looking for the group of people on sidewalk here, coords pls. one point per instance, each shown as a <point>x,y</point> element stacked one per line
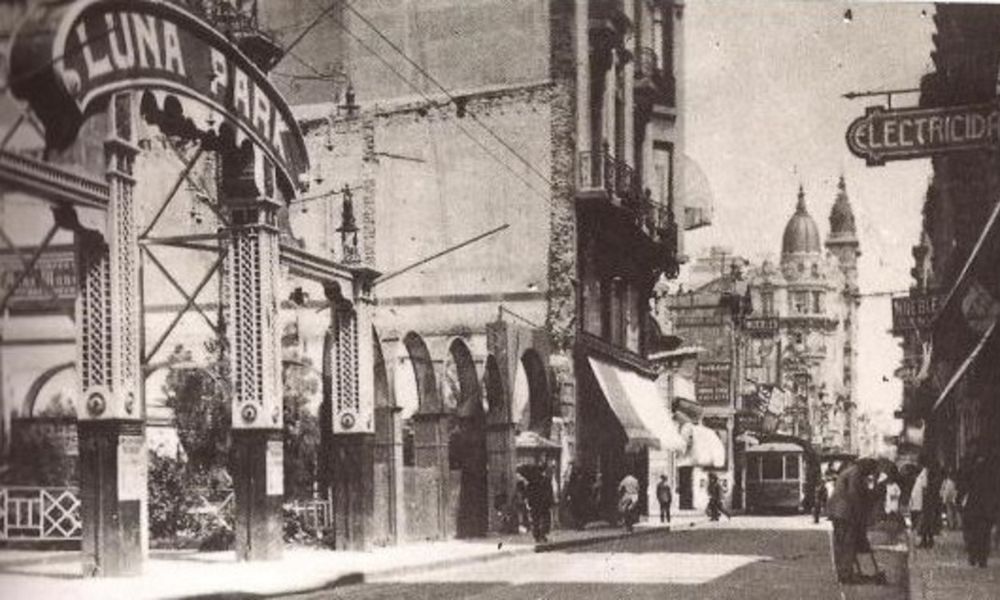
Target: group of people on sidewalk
<point>863,493</point>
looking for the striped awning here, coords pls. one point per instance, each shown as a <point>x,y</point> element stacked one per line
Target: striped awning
<point>637,403</point>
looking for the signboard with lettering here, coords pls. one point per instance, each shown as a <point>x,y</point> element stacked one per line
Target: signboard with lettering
<point>883,135</point>
<point>914,312</point>
<point>761,325</point>
<point>69,57</point>
<point>712,384</point>
<point>51,284</point>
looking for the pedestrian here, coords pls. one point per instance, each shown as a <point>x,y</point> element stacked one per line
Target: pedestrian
<point>597,508</point>
<point>540,502</point>
<point>892,495</point>
<point>930,515</point>
<point>978,490</point>
<point>847,509</point>
<point>665,496</point>
<point>522,514</point>
<point>917,499</point>
<point>949,499</point>
<point>575,496</point>
<point>628,500</point>
<point>819,500</point>
<point>715,506</point>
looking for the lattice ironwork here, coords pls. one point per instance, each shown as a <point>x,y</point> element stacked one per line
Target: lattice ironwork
<point>251,288</point>
<point>94,312</point>
<point>40,514</point>
<point>123,227</point>
<point>350,414</point>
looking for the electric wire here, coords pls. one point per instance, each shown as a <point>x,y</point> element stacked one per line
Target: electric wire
<point>446,92</point>
<point>392,68</point>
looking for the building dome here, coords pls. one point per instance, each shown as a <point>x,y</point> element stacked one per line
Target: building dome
<point>841,216</point>
<point>801,234</point>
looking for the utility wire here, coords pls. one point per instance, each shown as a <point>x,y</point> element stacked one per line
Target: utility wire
<point>432,102</point>
<point>447,93</point>
<point>310,27</point>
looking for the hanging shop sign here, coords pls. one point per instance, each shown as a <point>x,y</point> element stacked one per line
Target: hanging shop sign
<point>914,312</point>
<point>883,135</point>
<point>712,384</point>
<point>69,57</point>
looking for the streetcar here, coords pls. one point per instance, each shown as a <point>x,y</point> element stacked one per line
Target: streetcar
<point>775,476</point>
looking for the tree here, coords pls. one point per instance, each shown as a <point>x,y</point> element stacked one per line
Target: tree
<point>200,399</point>
<point>301,426</point>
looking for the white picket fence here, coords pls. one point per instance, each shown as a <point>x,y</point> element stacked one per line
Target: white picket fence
<point>40,514</point>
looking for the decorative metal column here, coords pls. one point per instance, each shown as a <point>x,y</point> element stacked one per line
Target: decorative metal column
<point>110,426</point>
<point>251,298</point>
<point>348,388</point>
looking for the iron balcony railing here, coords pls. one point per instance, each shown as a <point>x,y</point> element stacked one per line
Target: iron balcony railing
<point>601,171</point>
<point>648,67</point>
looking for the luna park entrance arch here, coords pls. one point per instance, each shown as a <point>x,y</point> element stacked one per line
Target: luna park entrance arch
<point>70,61</point>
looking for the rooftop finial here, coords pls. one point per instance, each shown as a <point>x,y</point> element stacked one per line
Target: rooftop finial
<point>800,207</point>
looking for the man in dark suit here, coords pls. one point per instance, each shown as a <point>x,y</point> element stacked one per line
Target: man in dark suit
<point>847,508</point>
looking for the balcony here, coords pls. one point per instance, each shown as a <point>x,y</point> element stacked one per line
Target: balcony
<point>609,25</point>
<point>613,182</point>
<point>653,85</point>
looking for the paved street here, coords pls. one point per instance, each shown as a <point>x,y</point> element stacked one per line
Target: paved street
<point>750,557</point>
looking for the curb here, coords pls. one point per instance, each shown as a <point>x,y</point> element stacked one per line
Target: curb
<point>359,577</point>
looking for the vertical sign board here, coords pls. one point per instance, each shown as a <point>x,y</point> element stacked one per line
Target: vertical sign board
<point>712,384</point>
<point>275,468</point>
<point>131,468</point>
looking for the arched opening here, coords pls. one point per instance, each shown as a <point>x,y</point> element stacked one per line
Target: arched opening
<point>387,445</point>
<point>56,389</point>
<point>466,441</point>
<point>425,442</point>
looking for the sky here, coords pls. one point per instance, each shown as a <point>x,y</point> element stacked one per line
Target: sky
<point>765,113</point>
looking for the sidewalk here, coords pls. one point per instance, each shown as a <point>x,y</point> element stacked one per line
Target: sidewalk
<point>944,572</point>
<point>185,574</point>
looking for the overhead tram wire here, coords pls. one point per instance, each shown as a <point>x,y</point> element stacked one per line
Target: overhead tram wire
<point>432,102</point>
<point>446,92</point>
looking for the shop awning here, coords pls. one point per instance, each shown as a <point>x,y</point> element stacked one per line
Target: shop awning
<point>705,448</point>
<point>960,372</point>
<point>637,403</point>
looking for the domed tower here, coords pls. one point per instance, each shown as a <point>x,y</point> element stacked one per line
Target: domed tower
<point>801,235</point>
<point>801,249</point>
<point>843,241</point>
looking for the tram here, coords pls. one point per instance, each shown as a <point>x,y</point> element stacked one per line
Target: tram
<point>775,476</point>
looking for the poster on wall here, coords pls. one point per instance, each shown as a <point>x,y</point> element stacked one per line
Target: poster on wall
<point>131,468</point>
<point>275,468</point>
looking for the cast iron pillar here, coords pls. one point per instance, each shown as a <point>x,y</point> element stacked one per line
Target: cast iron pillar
<point>348,387</point>
<point>251,299</point>
<point>110,426</point>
